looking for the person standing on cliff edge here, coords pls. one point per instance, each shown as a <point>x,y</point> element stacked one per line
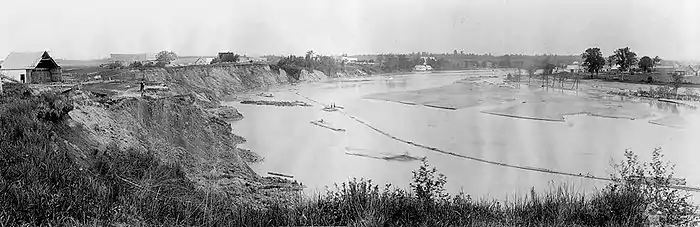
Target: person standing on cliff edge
<point>142,87</point>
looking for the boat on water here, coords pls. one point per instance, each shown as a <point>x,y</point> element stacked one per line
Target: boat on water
<point>332,107</point>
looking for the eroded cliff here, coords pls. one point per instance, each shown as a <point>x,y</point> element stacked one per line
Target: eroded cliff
<point>181,127</point>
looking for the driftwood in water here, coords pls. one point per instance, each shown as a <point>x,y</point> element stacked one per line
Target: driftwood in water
<point>321,124</point>
<point>280,175</point>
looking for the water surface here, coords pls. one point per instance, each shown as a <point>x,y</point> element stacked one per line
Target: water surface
<point>581,144</point>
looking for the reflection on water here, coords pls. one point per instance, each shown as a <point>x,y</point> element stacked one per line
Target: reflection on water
<point>318,157</point>
<point>392,83</point>
<point>665,106</point>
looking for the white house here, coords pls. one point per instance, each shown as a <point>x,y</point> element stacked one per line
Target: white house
<point>30,67</point>
<point>185,61</point>
<point>349,60</point>
<point>573,68</point>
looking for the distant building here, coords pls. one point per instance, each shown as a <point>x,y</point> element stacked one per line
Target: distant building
<point>665,69</point>
<point>203,61</point>
<point>574,68</point>
<point>422,68</point>
<point>31,67</point>
<point>691,70</point>
<point>685,71</point>
<point>127,59</point>
<point>349,60</point>
<point>345,59</point>
<point>185,61</point>
<point>246,59</point>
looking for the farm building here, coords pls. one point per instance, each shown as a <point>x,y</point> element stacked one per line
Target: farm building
<point>185,61</point>
<point>574,68</point>
<point>127,59</point>
<point>31,67</point>
<point>665,69</point>
<point>691,70</point>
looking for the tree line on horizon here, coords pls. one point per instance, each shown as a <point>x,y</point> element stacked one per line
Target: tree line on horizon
<point>623,58</point>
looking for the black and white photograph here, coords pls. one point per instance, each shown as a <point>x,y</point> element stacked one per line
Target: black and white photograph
<point>349,113</point>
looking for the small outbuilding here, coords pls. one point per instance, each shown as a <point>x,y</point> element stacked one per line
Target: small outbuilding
<point>31,67</point>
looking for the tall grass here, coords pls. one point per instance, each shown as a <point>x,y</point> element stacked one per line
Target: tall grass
<point>42,183</point>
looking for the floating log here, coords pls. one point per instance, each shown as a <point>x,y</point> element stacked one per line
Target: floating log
<point>330,109</point>
<point>317,123</point>
<point>280,175</point>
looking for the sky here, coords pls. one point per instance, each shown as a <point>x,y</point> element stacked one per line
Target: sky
<point>89,29</point>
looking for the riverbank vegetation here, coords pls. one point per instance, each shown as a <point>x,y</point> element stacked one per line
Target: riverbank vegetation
<point>43,181</point>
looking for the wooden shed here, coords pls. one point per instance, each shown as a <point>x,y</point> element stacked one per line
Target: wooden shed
<point>31,67</point>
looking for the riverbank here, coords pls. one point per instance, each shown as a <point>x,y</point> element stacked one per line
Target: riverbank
<point>165,159</point>
<point>175,138</point>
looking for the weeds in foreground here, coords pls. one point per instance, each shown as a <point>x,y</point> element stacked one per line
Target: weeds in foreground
<point>40,183</point>
<point>652,181</point>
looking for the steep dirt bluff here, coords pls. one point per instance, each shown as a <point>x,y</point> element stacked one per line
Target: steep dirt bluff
<point>212,82</point>
<point>182,125</point>
<point>175,130</point>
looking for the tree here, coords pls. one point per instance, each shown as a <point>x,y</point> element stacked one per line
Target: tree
<point>434,63</point>
<point>549,68</point>
<point>309,55</point>
<point>593,60</point>
<point>165,57</point>
<point>612,61</point>
<point>625,58</point>
<point>676,82</point>
<point>428,184</point>
<point>646,64</point>
<point>657,60</point>
<point>531,70</point>
<point>228,57</point>
<point>136,64</point>
<point>403,62</point>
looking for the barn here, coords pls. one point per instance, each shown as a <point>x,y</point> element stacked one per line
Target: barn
<point>31,67</point>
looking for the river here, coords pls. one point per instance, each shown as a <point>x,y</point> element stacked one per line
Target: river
<point>318,157</point>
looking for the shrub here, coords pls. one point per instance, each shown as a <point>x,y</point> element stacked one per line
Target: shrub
<point>54,107</point>
<point>164,58</point>
<point>427,184</point>
<point>112,65</point>
<point>676,81</point>
<point>136,64</point>
<point>228,57</point>
<point>690,93</point>
<point>652,182</point>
